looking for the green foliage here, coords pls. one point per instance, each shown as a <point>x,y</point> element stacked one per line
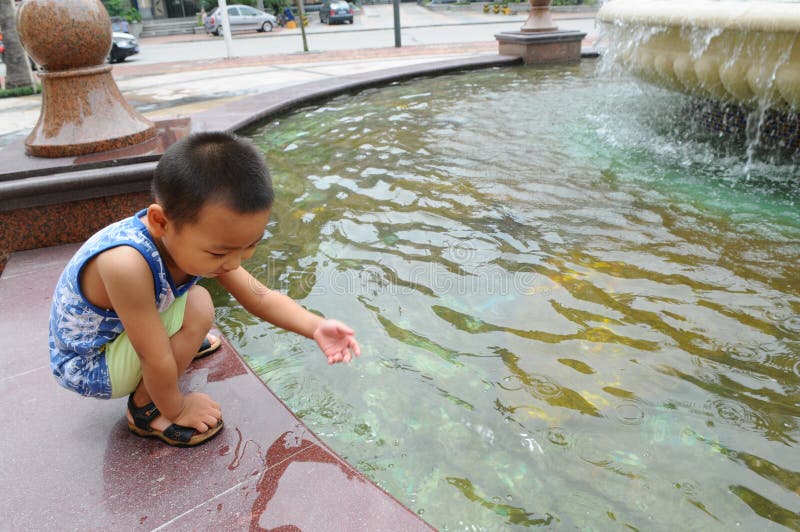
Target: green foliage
<point>114,7</point>
<point>122,8</point>
<point>132,15</point>
<point>275,6</point>
<point>20,91</point>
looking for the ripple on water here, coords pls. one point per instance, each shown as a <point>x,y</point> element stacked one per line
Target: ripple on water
<point>780,312</point>
<point>790,325</point>
<point>545,387</point>
<point>750,353</point>
<point>736,413</point>
<point>592,447</point>
<point>560,437</point>
<point>629,413</point>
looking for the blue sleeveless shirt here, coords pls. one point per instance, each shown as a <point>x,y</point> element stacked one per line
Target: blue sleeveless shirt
<point>79,331</point>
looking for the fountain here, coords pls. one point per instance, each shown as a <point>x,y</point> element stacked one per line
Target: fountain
<point>741,56</point>
<point>609,310</point>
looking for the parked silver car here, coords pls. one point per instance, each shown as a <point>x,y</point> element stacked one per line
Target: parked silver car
<point>241,18</point>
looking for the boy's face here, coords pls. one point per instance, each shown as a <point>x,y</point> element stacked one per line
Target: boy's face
<point>215,243</point>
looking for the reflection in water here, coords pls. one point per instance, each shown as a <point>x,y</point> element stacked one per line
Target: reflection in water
<point>574,309</point>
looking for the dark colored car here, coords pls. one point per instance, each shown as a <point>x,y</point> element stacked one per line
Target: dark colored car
<point>123,45</point>
<point>333,11</point>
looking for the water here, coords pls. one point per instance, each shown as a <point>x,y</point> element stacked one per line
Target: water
<point>575,311</point>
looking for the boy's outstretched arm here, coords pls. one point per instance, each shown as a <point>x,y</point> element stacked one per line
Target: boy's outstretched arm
<point>128,282</point>
<point>335,339</point>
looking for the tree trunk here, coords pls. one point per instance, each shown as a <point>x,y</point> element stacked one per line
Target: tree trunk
<point>260,4</point>
<point>18,70</point>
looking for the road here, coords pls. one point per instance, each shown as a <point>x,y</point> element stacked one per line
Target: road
<point>372,30</point>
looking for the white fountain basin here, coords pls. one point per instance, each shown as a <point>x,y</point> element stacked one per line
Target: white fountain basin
<point>743,52</point>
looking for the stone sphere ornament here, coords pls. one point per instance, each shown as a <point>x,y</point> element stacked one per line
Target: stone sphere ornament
<point>83,32</point>
<point>83,110</point>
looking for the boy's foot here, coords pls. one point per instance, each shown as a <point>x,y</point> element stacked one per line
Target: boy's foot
<point>147,421</point>
<point>210,344</point>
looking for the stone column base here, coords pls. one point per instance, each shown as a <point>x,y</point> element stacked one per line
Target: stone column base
<point>83,112</point>
<point>542,48</point>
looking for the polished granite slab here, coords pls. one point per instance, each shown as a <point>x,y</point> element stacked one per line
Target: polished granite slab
<point>69,463</point>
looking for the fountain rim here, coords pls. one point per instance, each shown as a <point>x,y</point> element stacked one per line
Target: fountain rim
<point>772,17</point>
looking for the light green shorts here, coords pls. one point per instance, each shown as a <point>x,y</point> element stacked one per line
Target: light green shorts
<point>124,367</point>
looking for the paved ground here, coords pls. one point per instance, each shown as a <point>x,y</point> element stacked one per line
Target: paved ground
<point>170,87</point>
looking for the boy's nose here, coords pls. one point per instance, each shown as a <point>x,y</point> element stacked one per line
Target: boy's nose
<point>232,262</point>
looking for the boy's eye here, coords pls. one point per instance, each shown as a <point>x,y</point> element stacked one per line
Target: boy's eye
<point>219,255</point>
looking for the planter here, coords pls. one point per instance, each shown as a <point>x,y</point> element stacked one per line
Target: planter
<point>135,29</point>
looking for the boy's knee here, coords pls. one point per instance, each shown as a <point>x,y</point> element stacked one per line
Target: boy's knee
<point>199,307</point>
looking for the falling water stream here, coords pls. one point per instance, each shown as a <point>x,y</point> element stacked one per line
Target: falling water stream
<point>576,310</point>
<point>728,59</point>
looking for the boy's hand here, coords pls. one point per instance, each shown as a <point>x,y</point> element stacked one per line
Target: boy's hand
<point>337,341</point>
<point>199,412</point>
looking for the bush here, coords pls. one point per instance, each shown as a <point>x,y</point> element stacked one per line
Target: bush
<point>132,15</point>
<point>116,8</point>
<point>20,91</point>
<point>275,6</point>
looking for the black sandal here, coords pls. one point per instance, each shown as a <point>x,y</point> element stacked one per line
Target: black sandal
<point>208,347</point>
<point>176,435</point>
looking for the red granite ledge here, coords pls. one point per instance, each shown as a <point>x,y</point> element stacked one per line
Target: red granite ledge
<point>19,165</point>
<point>63,223</point>
<point>70,462</point>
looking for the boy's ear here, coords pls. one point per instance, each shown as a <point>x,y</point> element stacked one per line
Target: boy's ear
<point>157,220</point>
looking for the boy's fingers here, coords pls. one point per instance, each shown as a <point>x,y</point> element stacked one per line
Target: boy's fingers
<point>344,329</point>
<point>353,345</point>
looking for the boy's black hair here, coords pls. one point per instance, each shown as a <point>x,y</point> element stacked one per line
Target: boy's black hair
<point>212,166</point>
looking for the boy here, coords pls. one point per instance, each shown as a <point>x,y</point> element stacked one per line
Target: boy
<point>127,317</point>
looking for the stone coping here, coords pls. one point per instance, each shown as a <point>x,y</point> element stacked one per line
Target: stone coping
<point>540,38</point>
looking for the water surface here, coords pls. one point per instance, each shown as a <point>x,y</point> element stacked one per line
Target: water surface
<point>575,311</point>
